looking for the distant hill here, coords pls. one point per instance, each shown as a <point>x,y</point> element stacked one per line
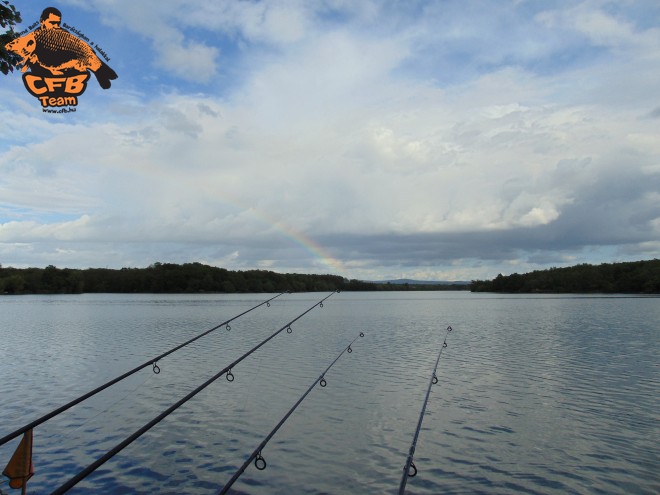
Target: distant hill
<point>404,284</point>
<point>403,281</point>
<point>636,277</point>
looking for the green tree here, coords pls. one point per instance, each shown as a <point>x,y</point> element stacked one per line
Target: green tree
<point>12,285</point>
<point>9,17</point>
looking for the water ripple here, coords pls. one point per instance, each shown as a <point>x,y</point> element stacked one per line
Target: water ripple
<point>536,394</point>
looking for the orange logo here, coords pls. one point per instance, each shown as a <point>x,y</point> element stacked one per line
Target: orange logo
<point>59,63</point>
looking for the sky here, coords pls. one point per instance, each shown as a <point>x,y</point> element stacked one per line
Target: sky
<point>372,139</point>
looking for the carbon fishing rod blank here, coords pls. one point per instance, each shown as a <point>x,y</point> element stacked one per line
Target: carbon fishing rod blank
<point>137,434</point>
<point>259,461</point>
<point>407,473</point>
<point>152,362</point>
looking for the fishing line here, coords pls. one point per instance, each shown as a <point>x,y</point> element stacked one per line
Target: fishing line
<point>259,461</point>
<point>151,362</point>
<point>129,393</point>
<point>129,440</point>
<point>409,461</point>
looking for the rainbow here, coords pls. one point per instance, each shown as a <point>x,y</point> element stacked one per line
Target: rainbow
<point>300,239</point>
<point>306,242</point>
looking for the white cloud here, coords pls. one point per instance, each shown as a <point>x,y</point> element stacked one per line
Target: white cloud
<point>188,60</point>
<point>333,132</point>
<point>600,27</point>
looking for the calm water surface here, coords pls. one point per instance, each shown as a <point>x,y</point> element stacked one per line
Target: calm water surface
<point>536,394</point>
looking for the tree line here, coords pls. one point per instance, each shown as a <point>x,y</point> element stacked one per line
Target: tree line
<point>9,17</point>
<point>185,278</point>
<point>636,277</point>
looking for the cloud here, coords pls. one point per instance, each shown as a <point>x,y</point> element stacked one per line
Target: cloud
<point>600,27</point>
<point>189,60</point>
<point>401,148</point>
<point>280,22</point>
<point>654,114</point>
<point>156,26</point>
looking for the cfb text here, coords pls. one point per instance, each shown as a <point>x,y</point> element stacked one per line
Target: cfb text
<point>54,89</point>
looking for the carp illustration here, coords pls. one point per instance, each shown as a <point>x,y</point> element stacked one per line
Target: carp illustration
<point>58,51</point>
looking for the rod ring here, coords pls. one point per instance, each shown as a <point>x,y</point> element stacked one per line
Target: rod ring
<point>288,330</point>
<point>260,462</point>
<point>228,327</point>
<point>156,368</point>
<point>414,472</point>
<point>323,383</point>
<point>229,376</point>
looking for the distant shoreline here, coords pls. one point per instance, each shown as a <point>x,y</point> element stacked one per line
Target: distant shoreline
<point>189,278</point>
<point>635,277</point>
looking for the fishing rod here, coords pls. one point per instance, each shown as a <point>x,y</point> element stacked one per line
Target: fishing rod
<point>409,461</point>
<point>151,362</point>
<point>129,440</point>
<point>259,461</point>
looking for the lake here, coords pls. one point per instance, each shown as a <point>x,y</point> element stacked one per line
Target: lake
<point>537,394</point>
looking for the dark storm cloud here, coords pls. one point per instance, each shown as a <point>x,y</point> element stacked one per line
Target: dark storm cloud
<point>617,209</point>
